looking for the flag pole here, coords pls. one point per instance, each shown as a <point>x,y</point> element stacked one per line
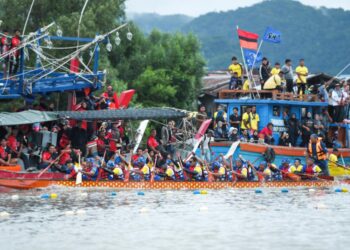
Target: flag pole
<point>244,62</point>
<point>256,55</point>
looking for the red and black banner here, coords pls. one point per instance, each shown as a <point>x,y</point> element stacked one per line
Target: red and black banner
<point>248,40</point>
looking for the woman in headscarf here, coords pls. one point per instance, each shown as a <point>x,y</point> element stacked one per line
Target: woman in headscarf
<point>294,129</point>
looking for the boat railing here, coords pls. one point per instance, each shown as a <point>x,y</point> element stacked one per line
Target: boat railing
<point>267,94</point>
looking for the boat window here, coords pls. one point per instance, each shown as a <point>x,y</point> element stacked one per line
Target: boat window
<point>276,110</point>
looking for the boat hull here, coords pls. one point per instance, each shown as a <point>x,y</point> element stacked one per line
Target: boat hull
<point>162,185</point>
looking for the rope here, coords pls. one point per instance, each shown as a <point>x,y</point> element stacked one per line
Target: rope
<point>30,11</point>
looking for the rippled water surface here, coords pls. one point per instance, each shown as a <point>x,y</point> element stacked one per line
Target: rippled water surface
<point>224,219</point>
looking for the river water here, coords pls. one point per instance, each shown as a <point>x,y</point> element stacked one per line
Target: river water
<point>223,219</point>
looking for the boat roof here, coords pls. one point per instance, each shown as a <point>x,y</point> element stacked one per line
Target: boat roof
<point>271,102</point>
<point>35,116</point>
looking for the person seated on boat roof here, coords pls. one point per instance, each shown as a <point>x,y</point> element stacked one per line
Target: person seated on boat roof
<point>274,82</point>
<point>297,167</point>
<point>90,169</point>
<point>5,154</point>
<point>48,157</point>
<point>312,168</point>
<point>235,68</point>
<point>266,134</point>
<point>246,84</point>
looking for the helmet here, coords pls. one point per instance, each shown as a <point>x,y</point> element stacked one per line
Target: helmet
<point>263,163</point>
<point>285,160</point>
<point>215,164</point>
<point>110,164</point>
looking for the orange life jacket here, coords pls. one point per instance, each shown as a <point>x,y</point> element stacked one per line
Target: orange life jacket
<point>319,150</point>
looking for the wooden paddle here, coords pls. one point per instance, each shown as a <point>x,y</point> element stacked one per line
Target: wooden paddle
<point>319,177</point>
<point>52,162</point>
<point>291,176</point>
<point>79,177</point>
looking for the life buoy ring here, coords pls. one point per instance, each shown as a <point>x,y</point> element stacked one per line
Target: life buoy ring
<point>269,155</point>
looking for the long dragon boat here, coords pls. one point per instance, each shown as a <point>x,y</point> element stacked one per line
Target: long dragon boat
<point>18,180</point>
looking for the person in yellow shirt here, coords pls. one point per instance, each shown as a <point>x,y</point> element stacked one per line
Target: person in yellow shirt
<point>302,72</point>
<point>274,82</point>
<point>246,119</point>
<point>236,71</point>
<point>297,167</point>
<point>254,120</point>
<point>276,70</point>
<point>246,84</point>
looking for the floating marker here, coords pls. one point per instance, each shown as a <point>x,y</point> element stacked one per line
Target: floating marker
<point>344,190</point>
<point>203,209</point>
<point>114,194</point>
<point>69,213</point>
<point>84,194</point>
<point>204,192</point>
<point>284,190</point>
<point>258,191</point>
<point>4,214</point>
<point>144,210</point>
<point>140,193</point>
<point>321,206</point>
<point>311,190</point>
<point>80,212</point>
<point>338,190</point>
<point>53,196</point>
<point>196,192</point>
<point>15,197</point>
<point>45,196</point>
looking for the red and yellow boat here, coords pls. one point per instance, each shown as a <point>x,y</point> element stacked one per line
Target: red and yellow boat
<point>19,180</point>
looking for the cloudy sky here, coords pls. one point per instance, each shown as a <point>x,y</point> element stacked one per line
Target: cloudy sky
<point>198,7</point>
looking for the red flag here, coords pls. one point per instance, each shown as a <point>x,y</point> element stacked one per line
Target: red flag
<point>248,40</point>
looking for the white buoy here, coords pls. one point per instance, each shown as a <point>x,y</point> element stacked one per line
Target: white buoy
<point>83,194</point>
<point>15,197</point>
<point>203,209</point>
<point>320,206</point>
<point>144,210</point>
<point>4,214</point>
<point>69,213</point>
<point>80,212</point>
<point>311,190</point>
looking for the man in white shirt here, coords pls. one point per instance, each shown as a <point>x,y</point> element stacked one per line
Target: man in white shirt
<point>337,95</point>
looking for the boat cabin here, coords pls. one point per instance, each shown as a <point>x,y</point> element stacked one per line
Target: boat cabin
<point>272,106</point>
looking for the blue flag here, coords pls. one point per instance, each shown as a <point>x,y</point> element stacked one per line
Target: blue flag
<point>271,35</point>
<point>249,56</point>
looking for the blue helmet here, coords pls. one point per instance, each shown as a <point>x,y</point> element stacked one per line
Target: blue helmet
<point>263,163</point>
<point>168,161</point>
<point>90,160</point>
<point>141,160</point>
<point>285,160</point>
<point>110,164</point>
<point>215,164</point>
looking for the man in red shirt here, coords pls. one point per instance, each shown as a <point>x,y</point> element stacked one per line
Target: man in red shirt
<point>15,43</point>
<point>5,153</point>
<point>48,156</point>
<point>266,134</point>
<point>152,142</point>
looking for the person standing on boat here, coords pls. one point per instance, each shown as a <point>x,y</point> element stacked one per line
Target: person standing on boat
<point>337,98</point>
<point>264,71</point>
<point>254,120</point>
<point>302,72</point>
<point>276,70</point>
<point>205,146</point>
<point>274,82</point>
<point>293,126</point>
<point>287,71</point>
<point>5,47</point>
<point>318,151</point>
<point>246,119</point>
<point>237,68</point>
<point>79,137</point>
<point>14,60</point>
<point>235,119</point>
<point>220,123</point>
<point>307,129</point>
<point>201,116</point>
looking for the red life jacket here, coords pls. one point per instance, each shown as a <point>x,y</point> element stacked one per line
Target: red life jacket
<point>4,44</point>
<point>64,158</point>
<point>115,98</point>
<point>12,142</point>
<point>47,156</point>
<point>3,153</point>
<point>15,42</point>
<point>310,169</point>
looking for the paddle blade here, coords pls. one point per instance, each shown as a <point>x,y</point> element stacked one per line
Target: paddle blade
<point>79,178</point>
<point>232,150</point>
<point>292,176</point>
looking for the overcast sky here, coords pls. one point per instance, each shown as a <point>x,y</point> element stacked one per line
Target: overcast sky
<point>198,7</point>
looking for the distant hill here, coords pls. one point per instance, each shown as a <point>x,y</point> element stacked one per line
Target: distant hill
<point>321,36</point>
<point>165,23</point>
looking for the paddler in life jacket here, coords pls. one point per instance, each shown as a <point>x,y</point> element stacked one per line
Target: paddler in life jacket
<point>90,169</point>
<point>193,168</point>
<point>275,171</point>
<point>266,172</point>
<point>218,171</point>
<point>297,167</point>
<point>317,150</point>
<point>311,168</point>
<point>241,171</point>
<point>117,171</point>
